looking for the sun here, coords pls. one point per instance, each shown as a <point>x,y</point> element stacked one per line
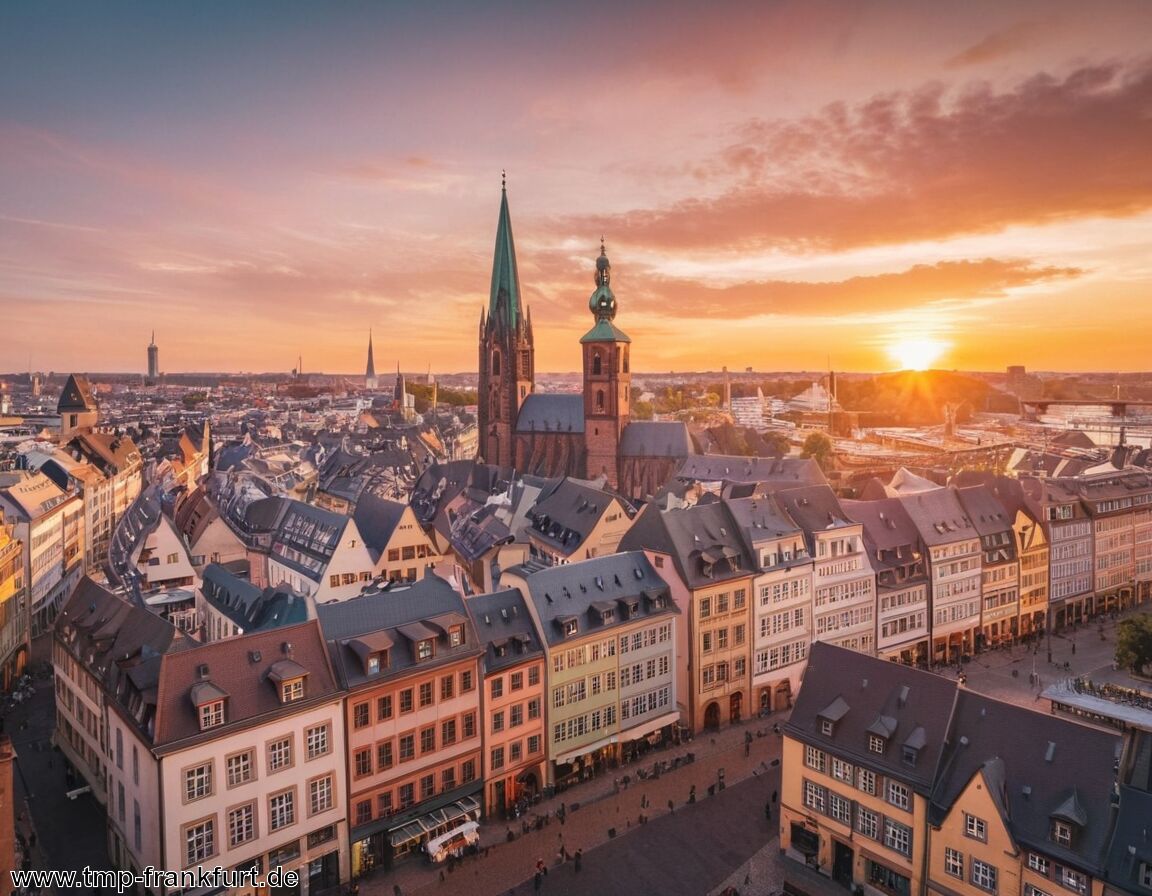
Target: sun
<point>917,352</point>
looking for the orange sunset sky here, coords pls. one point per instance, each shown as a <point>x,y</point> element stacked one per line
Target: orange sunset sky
<point>780,184</point>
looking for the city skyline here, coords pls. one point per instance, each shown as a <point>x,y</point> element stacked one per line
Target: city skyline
<point>802,184</point>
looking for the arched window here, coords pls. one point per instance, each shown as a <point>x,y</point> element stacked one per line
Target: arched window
<point>496,363</point>
<point>599,399</point>
<point>597,364</point>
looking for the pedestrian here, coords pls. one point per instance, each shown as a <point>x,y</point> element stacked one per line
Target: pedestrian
<point>578,859</point>
<point>692,794</point>
<point>541,868</point>
<point>671,806</point>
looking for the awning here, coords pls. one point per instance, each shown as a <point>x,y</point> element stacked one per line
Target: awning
<point>565,758</point>
<point>650,726</point>
<point>465,807</point>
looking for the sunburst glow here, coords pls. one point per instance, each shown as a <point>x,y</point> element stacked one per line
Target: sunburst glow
<point>917,353</point>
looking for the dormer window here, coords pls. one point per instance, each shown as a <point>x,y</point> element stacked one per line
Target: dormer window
<point>291,691</point>
<point>827,726</point>
<point>909,755</point>
<point>608,616</point>
<point>571,627</point>
<point>455,635</point>
<point>1062,833</point>
<point>376,662</point>
<point>212,715</point>
<point>288,676</point>
<point>425,649</point>
<point>875,743</point>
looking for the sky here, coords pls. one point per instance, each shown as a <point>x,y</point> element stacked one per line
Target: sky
<point>780,185</point>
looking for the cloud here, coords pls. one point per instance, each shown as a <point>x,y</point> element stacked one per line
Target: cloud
<point>923,165</point>
<point>914,288</point>
<point>998,44</point>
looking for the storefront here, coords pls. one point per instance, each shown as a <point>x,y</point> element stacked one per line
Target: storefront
<point>388,840</point>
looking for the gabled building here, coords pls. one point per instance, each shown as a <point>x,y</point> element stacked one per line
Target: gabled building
<point>1013,814</point>
<point>781,600</point>
<point>999,564</point>
<point>843,581</point>
<point>861,755</point>
<point>574,520</point>
<point>409,660</point>
<point>401,550</point>
<point>204,532</point>
<point>608,628</point>
<point>77,406</point>
<point>953,550</point>
<point>319,553</point>
<point>1068,529</point>
<point>898,556</point>
<point>228,605</point>
<point>700,553</point>
<point>512,700</point>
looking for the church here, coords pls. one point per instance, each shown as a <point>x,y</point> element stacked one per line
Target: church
<point>587,435</point>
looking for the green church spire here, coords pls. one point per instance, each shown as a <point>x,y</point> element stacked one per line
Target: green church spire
<point>504,300</point>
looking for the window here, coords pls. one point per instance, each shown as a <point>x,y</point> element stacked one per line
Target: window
<point>953,862</point>
<point>841,770</point>
<point>975,828</point>
<point>427,787</point>
<point>533,709</point>
<point>910,754</point>
<point>241,825</point>
<point>534,676</point>
<point>198,782</point>
<point>362,762</point>
<point>866,781</point>
<point>516,681</point>
<point>407,747</point>
<point>363,811</point>
<point>238,768</point>
<point>320,794</point>
<point>424,649</point>
<point>1071,879</point>
<point>212,714</point>
<point>515,751</point>
<point>384,803</point>
<point>1038,863</point>
<point>281,810</point>
<point>706,642</point>
<point>814,796</point>
<point>468,771</point>
<point>839,808</point>
<point>279,754</point>
<point>407,796</point>
<point>1145,877</point>
<point>1062,833</point>
<point>448,732</point>
<point>533,744</point>
<point>406,700</point>
<point>984,875</point>
<point>466,681</point>
<point>898,837</point>
<point>455,635</point>
<point>497,687</point>
<point>497,758</point>
<point>447,687</point>
<point>427,739</point>
<point>384,754</point>
<point>199,841</point>
<point>360,715</point>
<point>868,823</point>
<point>898,794</point>
<point>875,743</point>
<point>705,607</point>
<point>383,708</point>
<point>469,725</point>
<point>317,741</point>
<point>516,715</point>
<point>814,758</point>
<point>426,693</point>
<point>291,691</point>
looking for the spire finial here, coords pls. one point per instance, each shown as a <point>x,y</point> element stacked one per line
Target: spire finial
<point>503,179</point>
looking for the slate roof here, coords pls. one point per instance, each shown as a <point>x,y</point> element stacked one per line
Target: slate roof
<point>1131,844</point>
<point>77,396</point>
<point>815,509</point>
<point>781,472</point>
<point>551,412</point>
<point>251,608</point>
<point>1060,768</point>
<point>108,453</point>
<point>567,592</point>
<point>377,519</point>
<point>567,511</point>
<point>656,438</point>
<point>313,533</point>
<point>400,616</point>
<point>892,541</point>
<point>989,517</point>
<point>194,514</point>
<point>240,667</point>
<point>698,538</point>
<point>938,516</point>
<point>761,519</point>
<point>504,625</point>
<point>862,695</point>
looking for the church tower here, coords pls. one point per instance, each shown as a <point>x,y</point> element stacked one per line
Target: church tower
<point>507,358</point>
<point>607,379</point>
<point>370,380</point>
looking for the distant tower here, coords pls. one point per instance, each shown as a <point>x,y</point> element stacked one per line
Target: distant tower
<point>77,406</point>
<point>507,356</point>
<point>607,378</point>
<point>370,381</point>
<point>153,359</point>
<point>400,392</point>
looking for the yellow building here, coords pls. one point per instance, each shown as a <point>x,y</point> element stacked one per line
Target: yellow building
<point>13,607</point>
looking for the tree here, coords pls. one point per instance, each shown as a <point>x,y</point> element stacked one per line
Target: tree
<point>818,447</point>
<point>1134,644</point>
